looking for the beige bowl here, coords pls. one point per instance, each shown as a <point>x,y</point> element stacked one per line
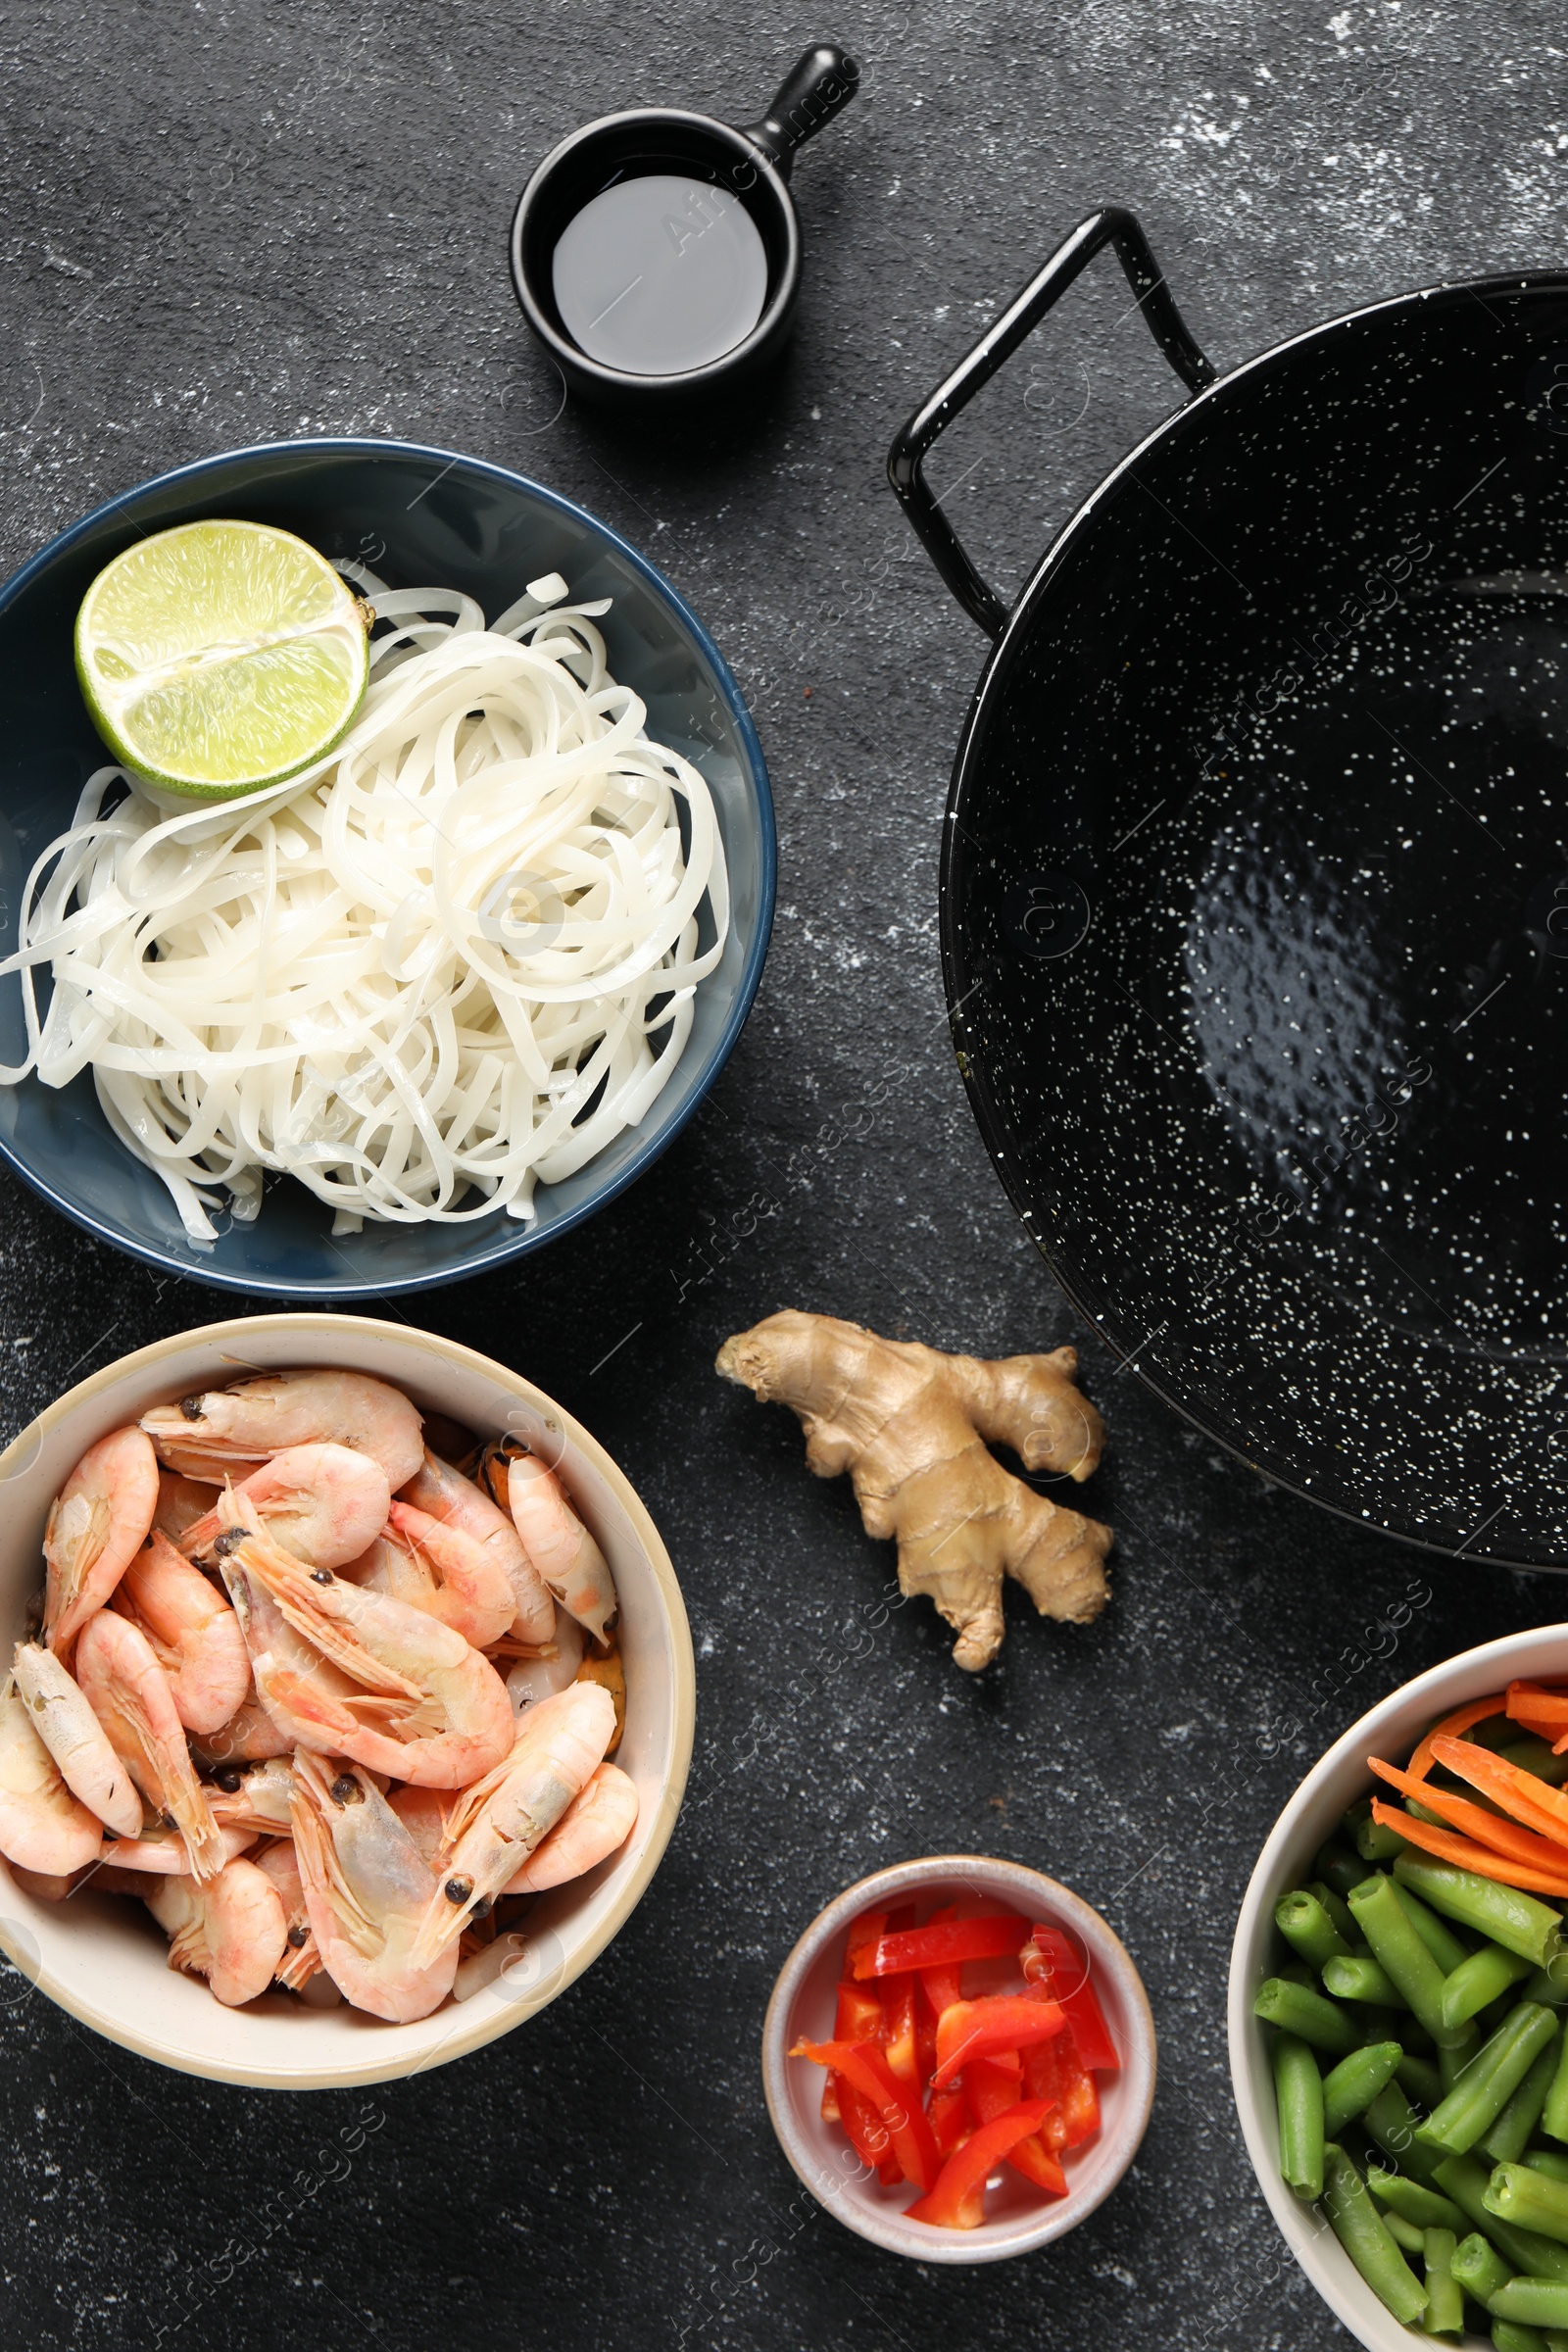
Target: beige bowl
<point>102,1958</point>
<point>1333,1782</point>
<point>1018,2217</point>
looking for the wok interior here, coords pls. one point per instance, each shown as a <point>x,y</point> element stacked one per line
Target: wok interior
<point>1289,708</point>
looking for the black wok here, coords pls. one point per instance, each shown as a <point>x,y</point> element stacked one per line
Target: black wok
<point>1254,895</point>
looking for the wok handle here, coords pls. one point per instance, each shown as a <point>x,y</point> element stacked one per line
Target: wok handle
<point>1112,225</point>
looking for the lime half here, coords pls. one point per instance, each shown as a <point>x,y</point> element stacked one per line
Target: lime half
<point>221,657</point>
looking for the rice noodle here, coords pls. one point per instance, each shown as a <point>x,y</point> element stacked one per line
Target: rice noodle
<point>404,977</point>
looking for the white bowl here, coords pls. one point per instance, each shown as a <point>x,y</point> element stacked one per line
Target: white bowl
<point>1390,1729</point>
<point>1018,2217</point>
<point>102,1958</point>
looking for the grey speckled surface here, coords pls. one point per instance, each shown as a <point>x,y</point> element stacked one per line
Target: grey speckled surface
<point>222,225</point>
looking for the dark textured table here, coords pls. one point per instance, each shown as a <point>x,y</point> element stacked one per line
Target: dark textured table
<point>225,224</point>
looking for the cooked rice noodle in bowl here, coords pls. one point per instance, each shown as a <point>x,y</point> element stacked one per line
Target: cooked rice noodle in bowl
<point>449,963</point>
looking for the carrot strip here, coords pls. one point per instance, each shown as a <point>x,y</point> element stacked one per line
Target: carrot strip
<point>1462,1720</point>
<point>1469,1856</point>
<point>1533,1698</point>
<point>1520,1793</point>
<point>1503,1836</point>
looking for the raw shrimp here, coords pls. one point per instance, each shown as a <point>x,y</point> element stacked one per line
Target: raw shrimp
<point>231,1929</point>
<point>97,1521</point>
<point>367,1888</point>
<point>560,1546</point>
<point>533,1679</point>
<point>43,1827</point>
<point>444,1494</point>
<point>128,1692</point>
<point>248,1736</point>
<point>301,1961</point>
<point>333,1661</point>
<point>496,1825</point>
<point>600,1818</point>
<point>75,1738</point>
<point>257,1799</point>
<point>181,1501</point>
<point>164,1850</point>
<point>324,1503</point>
<point>210,1434</point>
<point>193,1633</point>
<point>424,1814</point>
<point>437,1567</point>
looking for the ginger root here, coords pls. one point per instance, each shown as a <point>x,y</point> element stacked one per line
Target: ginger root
<point>910,1426</point>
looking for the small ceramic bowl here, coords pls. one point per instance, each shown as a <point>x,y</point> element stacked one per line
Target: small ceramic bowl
<point>102,1956</point>
<point>1018,2217</point>
<point>1333,1782</point>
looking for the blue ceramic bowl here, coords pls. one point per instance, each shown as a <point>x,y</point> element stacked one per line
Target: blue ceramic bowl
<point>420,517</point>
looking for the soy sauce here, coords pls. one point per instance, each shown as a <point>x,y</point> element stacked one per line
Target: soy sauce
<point>660,275</point>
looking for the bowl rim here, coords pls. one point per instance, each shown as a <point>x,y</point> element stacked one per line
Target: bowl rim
<point>1351,2302</point>
<point>1140,2065</point>
<point>524,1235</point>
<point>462,2038</point>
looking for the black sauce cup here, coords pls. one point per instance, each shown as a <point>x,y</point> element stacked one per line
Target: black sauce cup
<point>751,165</point>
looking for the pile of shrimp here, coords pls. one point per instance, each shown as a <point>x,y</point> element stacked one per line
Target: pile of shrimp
<point>323,1684</point>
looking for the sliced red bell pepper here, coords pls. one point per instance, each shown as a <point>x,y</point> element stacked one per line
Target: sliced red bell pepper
<point>926,2033</point>
<point>1053,2070</point>
<point>942,1985</point>
<point>1051,1960</point>
<point>993,2087</point>
<point>868,2134</point>
<point>999,2020</point>
<point>994,1935</point>
<point>950,2121</point>
<point>957,2201</point>
<point>865,2068</point>
<point>858,2018</point>
<point>898,2036</point>
<point>865,1934</point>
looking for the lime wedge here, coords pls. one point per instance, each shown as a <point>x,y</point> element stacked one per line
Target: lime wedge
<point>221,657</point>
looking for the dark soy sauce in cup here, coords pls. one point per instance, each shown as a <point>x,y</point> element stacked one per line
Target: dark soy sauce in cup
<point>660,273</point>
<point>657,254</point>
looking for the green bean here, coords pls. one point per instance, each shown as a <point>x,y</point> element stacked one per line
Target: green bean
<point>1400,1953</point>
<point>1360,2230</point>
<point>1392,2124</point>
<point>1340,1870</point>
<point>1405,2236</point>
<point>1518,1922</point>
<point>1508,2335</point>
<point>1539,2302</point>
<point>1479,1981</point>
<point>1352,2086</point>
<point>1296,2009</point>
<point>1554,2114</point>
<point>1452,2061</point>
<point>1530,2200</point>
<point>1550,2161</point>
<point>1356,1976</point>
<point>1465,2180</point>
<point>1512,2134</point>
<point>1298,2091</point>
<point>1415,2203</point>
<point>1308,1930</point>
<point>1445,2311</point>
<point>1420,2079</point>
<point>1479,2268</point>
<point>1338,1909</point>
<point>1378,1842</point>
<point>1448,1949</point>
<point>1550,1984</point>
<point>1534,1755</point>
<point>1490,2080</point>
